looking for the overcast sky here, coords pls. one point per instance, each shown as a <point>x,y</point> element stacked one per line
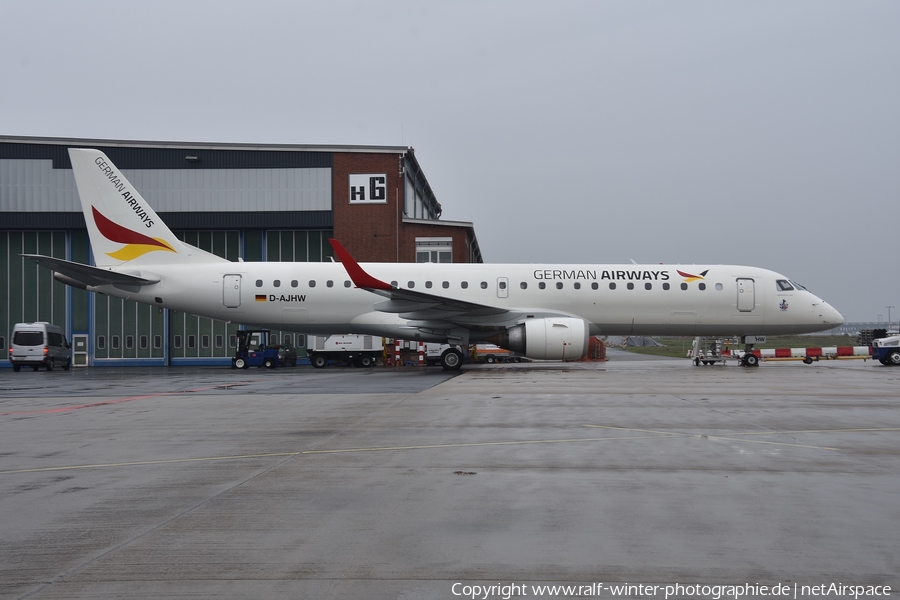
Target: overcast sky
<point>761,133</point>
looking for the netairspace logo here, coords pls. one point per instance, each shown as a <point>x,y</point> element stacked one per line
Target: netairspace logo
<point>713,592</point>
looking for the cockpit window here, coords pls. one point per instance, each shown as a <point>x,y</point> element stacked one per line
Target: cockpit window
<point>798,286</point>
<point>784,285</point>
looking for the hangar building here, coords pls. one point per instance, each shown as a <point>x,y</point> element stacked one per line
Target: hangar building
<point>239,201</point>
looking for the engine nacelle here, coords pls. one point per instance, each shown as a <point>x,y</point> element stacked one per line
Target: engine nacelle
<point>561,338</point>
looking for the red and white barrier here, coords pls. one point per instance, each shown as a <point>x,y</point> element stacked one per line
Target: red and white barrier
<point>826,353</point>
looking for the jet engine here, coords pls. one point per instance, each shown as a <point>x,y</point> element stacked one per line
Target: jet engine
<point>557,338</point>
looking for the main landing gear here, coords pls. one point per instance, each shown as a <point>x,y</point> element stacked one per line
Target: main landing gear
<point>749,359</point>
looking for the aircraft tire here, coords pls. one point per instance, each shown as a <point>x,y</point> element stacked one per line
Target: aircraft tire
<point>894,358</point>
<point>751,360</point>
<point>319,362</point>
<point>451,359</point>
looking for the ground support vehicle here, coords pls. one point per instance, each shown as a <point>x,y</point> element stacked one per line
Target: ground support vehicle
<point>39,345</point>
<point>492,353</point>
<point>887,350</point>
<point>710,352</point>
<point>352,350</point>
<point>253,350</point>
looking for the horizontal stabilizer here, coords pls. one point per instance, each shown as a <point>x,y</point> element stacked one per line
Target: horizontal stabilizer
<point>86,275</point>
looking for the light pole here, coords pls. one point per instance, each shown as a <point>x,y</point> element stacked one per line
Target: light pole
<point>889,315</point>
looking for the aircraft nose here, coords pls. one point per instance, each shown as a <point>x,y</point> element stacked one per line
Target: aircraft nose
<point>831,316</point>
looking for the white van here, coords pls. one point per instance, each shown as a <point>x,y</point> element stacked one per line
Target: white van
<point>39,344</point>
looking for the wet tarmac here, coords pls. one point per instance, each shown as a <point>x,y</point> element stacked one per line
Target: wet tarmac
<point>403,483</point>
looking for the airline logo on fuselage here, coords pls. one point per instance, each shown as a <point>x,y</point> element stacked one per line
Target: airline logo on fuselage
<point>581,274</point>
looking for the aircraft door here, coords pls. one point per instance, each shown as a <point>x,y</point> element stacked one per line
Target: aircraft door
<point>231,291</point>
<point>746,295</point>
<point>503,287</point>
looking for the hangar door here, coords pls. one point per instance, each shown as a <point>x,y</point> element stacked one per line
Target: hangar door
<point>746,295</point>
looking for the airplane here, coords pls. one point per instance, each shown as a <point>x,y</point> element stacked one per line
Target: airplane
<point>539,311</point>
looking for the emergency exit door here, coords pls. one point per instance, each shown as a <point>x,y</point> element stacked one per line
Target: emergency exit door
<point>746,295</point>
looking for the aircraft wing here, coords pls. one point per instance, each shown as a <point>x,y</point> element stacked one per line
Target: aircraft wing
<point>83,276</point>
<point>412,304</point>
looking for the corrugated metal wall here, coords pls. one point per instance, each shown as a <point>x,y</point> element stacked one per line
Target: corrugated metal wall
<point>35,186</point>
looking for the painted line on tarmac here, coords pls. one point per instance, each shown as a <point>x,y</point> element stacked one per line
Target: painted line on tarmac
<point>298,453</point>
<point>62,409</point>
<point>477,444</point>
<point>150,462</point>
<point>739,439</point>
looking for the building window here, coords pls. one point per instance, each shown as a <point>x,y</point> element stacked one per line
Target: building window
<point>434,250</point>
<point>145,341</point>
<point>177,342</point>
<point>157,342</point>
<point>220,341</point>
<point>192,341</point>
<point>115,342</point>
<point>204,341</point>
<point>101,342</point>
<point>129,342</point>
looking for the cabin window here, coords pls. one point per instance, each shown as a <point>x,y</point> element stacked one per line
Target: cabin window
<point>666,286</point>
<point>294,283</point>
<point>719,287</point>
<point>524,285</point>
<point>347,283</point>
<point>312,283</point>
<point>410,284</point>
<point>702,286</point>
<point>445,284</point>
<point>595,286</point>
<point>259,283</point>
<point>612,285</point>
<point>329,283</point>
<point>464,285</point>
<point>394,284</point>
<point>559,285</point>
<point>428,285</point>
<point>542,285</point>
<point>684,286</point>
<point>576,285</point>
<point>648,286</point>
<point>630,286</point>
<point>484,285</point>
<point>277,283</point>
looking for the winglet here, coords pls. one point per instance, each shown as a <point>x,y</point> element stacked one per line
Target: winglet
<point>360,278</point>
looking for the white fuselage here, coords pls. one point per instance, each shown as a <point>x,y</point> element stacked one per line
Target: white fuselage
<point>318,298</point>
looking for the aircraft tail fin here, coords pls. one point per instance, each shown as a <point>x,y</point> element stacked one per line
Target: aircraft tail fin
<point>122,226</point>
